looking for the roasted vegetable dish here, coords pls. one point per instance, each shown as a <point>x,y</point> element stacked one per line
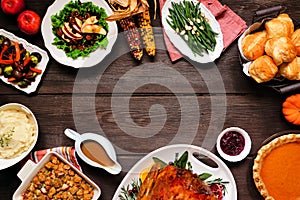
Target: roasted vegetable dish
<point>57,180</point>
<point>80,28</point>
<point>17,64</point>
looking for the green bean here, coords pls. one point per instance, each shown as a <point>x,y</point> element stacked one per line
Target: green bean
<point>198,35</point>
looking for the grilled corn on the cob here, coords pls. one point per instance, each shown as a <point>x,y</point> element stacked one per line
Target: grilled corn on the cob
<point>133,37</point>
<point>147,32</point>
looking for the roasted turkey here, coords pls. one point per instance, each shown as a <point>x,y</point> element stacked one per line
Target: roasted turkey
<point>173,183</point>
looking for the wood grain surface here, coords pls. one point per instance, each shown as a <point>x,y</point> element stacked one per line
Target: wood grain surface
<point>120,98</point>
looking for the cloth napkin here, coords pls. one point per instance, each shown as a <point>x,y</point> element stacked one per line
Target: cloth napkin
<point>231,25</point>
<point>66,152</point>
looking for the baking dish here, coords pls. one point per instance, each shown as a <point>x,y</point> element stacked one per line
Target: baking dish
<point>280,84</point>
<point>30,169</point>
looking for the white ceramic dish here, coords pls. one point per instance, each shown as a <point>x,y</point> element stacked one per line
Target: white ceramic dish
<point>30,169</point>
<point>167,154</point>
<point>59,55</point>
<point>104,142</point>
<point>31,48</point>
<point>180,44</point>
<point>5,163</point>
<point>245,151</point>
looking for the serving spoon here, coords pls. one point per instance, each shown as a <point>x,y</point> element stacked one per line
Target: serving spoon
<point>104,144</point>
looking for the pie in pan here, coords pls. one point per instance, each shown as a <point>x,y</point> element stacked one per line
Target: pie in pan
<point>276,169</point>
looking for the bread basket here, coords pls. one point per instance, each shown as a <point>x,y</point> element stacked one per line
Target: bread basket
<point>260,17</point>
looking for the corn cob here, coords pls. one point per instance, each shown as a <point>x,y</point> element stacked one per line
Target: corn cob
<point>147,32</point>
<point>133,37</point>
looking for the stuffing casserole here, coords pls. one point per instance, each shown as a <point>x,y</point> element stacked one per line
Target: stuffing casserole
<point>57,180</point>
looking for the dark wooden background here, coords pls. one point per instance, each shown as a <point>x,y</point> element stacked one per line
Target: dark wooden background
<point>58,103</point>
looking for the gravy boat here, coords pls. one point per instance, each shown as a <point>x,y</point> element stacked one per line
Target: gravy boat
<point>104,142</point>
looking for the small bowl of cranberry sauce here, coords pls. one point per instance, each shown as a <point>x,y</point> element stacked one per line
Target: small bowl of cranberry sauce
<point>233,144</point>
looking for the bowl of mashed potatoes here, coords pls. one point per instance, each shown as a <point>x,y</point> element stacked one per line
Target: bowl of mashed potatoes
<point>18,133</point>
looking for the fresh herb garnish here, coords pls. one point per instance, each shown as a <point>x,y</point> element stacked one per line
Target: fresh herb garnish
<point>6,137</point>
<point>130,192</point>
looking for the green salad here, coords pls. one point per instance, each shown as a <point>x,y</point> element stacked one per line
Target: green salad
<point>80,28</point>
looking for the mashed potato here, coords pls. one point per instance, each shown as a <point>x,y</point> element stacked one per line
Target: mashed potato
<point>17,132</point>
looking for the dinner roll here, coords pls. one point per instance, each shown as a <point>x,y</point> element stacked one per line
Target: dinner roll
<point>281,26</point>
<point>296,40</point>
<point>291,70</point>
<point>263,69</point>
<point>253,45</point>
<point>290,24</point>
<point>281,49</point>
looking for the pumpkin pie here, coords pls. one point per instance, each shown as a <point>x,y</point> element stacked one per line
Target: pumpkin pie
<point>276,169</point>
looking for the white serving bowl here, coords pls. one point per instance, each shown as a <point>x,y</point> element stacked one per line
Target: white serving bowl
<point>243,153</point>
<point>5,163</point>
<point>30,169</point>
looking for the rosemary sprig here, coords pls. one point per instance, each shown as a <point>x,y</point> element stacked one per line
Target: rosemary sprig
<point>130,192</point>
<point>219,181</point>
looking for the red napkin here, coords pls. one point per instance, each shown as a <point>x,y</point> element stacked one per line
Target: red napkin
<point>231,25</point>
<point>67,152</point>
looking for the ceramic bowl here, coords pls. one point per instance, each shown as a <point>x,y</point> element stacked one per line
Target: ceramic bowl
<point>245,151</point>
<point>7,162</point>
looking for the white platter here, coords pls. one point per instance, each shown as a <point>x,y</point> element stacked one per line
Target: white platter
<point>180,44</point>
<point>59,55</point>
<point>167,154</point>
<point>31,48</point>
<point>5,163</point>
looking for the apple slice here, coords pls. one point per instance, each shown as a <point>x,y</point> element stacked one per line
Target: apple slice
<point>93,28</point>
<point>90,20</point>
<point>65,38</point>
<point>68,32</point>
<point>75,24</point>
<point>78,22</point>
<point>76,28</point>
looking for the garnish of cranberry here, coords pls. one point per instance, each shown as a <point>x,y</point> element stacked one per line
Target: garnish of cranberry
<point>232,143</point>
<point>217,189</point>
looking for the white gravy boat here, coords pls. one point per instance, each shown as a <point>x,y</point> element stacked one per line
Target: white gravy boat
<point>104,142</point>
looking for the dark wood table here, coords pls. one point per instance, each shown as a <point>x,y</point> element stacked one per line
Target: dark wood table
<point>119,98</point>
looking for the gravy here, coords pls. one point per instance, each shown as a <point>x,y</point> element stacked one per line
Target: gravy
<point>94,151</point>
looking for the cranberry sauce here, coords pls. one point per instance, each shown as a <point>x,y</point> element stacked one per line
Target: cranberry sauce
<point>232,143</point>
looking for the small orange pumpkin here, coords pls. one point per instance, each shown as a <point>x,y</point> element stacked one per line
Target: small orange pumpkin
<point>291,109</point>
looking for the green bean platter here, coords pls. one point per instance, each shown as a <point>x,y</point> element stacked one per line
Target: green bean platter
<point>192,29</point>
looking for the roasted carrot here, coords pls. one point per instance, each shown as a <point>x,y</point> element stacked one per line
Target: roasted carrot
<point>39,71</point>
<point>5,47</point>
<point>11,79</point>
<point>6,62</point>
<point>18,55</point>
<point>26,61</point>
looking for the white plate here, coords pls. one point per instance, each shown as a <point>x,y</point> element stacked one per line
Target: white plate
<point>5,163</point>
<point>31,48</point>
<point>59,55</point>
<point>167,154</point>
<point>180,44</point>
